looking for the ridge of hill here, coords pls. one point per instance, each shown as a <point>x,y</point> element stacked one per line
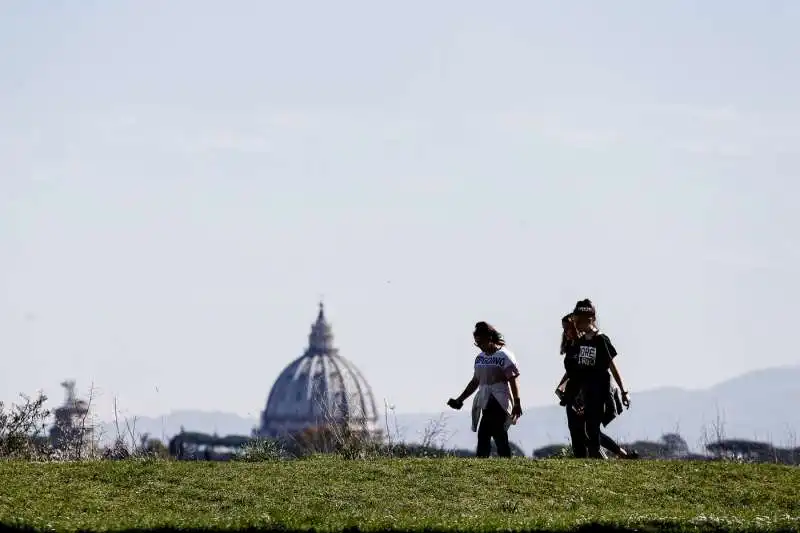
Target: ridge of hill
<point>756,405</point>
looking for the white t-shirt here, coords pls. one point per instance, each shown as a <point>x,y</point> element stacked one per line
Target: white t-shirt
<point>493,371</point>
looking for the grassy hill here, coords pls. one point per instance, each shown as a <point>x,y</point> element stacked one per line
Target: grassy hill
<point>327,493</point>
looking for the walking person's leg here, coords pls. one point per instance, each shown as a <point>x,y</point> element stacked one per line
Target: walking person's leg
<point>484,435</point>
<point>593,415</point>
<point>611,445</point>
<point>613,407</point>
<point>577,432</point>
<point>499,431</point>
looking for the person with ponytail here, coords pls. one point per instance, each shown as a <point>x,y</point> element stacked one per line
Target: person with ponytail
<point>588,360</point>
<point>497,404</point>
<point>575,407</point>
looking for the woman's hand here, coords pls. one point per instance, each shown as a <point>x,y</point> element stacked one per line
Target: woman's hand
<point>516,411</point>
<point>626,400</point>
<point>562,397</point>
<point>455,403</point>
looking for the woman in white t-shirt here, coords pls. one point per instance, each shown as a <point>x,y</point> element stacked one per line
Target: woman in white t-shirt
<point>497,404</point>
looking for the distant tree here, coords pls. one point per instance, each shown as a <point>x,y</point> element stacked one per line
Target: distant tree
<point>787,456</point>
<point>738,449</point>
<point>676,445</point>
<point>648,449</point>
<point>155,448</point>
<point>669,446</point>
<point>117,451</point>
<point>202,446</point>
<point>751,451</point>
<point>553,450</point>
<point>22,429</point>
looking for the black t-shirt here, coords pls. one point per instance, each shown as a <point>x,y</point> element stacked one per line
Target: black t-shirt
<point>587,362</point>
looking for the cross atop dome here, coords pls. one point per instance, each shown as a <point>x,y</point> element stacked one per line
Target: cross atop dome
<point>321,338</point>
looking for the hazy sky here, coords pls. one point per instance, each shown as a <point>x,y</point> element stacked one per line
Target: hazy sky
<point>181,181</point>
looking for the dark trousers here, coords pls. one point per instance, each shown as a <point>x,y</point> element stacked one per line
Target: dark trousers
<point>585,433</point>
<point>492,426</point>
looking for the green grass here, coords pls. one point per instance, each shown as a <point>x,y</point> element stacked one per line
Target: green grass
<point>401,494</point>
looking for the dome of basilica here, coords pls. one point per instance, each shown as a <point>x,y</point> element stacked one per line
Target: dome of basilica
<point>318,388</point>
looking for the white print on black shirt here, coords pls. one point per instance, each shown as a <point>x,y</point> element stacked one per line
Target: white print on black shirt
<point>587,356</point>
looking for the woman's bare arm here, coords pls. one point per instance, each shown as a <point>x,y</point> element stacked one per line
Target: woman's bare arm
<point>561,389</point>
<point>617,377</point>
<point>471,387</point>
<point>513,383</point>
<point>614,372</point>
<point>516,410</point>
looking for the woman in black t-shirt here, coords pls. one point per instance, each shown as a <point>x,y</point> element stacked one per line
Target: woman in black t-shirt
<point>588,360</point>
<point>575,408</point>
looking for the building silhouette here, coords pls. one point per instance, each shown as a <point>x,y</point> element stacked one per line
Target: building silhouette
<point>71,428</point>
<point>319,389</point>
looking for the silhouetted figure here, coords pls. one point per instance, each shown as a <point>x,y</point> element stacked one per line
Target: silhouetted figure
<point>497,404</point>
<point>586,388</point>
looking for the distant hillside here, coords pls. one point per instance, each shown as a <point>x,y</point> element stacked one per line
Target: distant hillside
<point>758,405</point>
<point>166,426</point>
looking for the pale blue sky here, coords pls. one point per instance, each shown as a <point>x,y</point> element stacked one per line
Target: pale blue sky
<point>182,180</point>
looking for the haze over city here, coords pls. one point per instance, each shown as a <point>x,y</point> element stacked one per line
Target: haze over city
<point>182,184</point>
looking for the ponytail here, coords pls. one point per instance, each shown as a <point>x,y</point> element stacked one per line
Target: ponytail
<point>487,331</point>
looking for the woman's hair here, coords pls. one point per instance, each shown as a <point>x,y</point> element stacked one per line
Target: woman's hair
<point>566,323</point>
<point>485,330</point>
<point>585,308</point>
